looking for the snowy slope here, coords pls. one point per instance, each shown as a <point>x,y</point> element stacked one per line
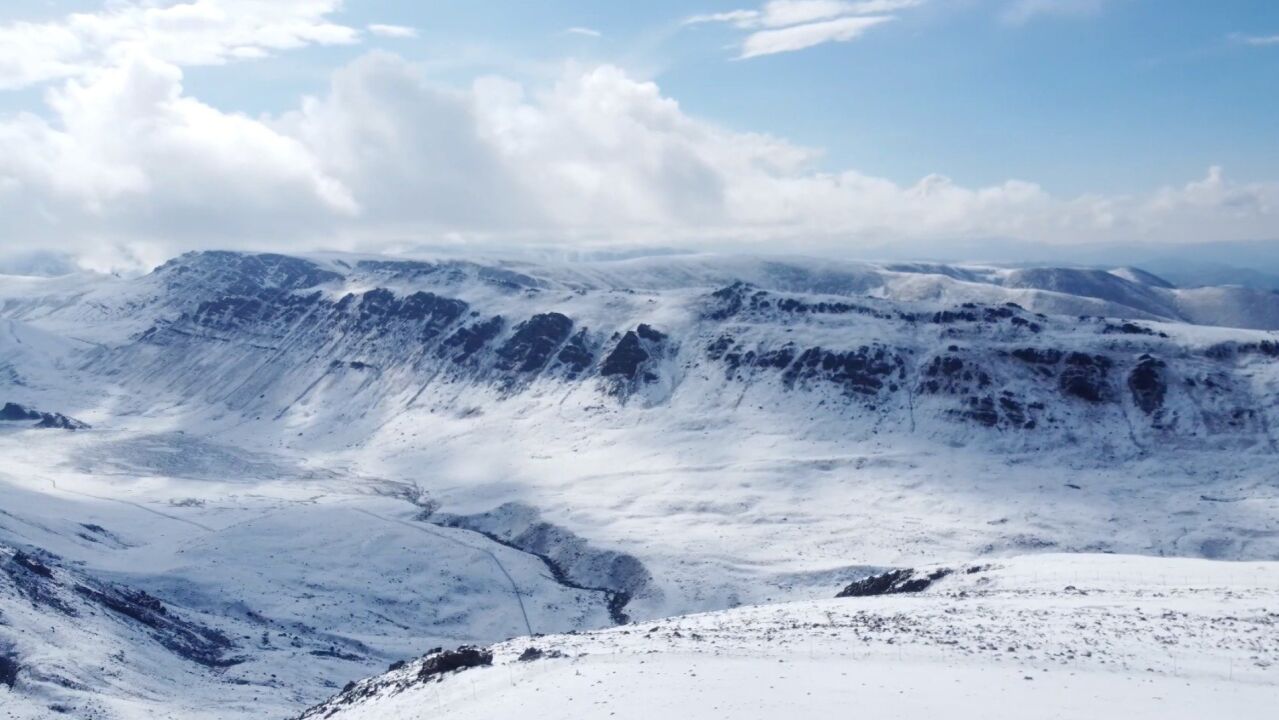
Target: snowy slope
<point>339,461</point>
<point>1054,636</point>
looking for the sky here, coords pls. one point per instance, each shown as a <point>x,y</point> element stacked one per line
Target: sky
<point>131,130</point>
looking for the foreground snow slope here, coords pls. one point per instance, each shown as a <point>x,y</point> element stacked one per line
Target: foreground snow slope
<point>1045,637</point>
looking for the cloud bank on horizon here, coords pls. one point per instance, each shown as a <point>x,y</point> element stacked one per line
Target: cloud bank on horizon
<point>121,164</point>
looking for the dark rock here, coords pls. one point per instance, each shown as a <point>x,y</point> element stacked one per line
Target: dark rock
<point>1147,384</point>
<point>626,358</point>
<point>530,348</point>
<point>1130,328</point>
<point>332,652</point>
<point>1085,377</point>
<point>576,356</point>
<point>33,565</point>
<point>530,654</point>
<point>864,371</point>
<point>1230,350</point>
<point>463,658</point>
<point>894,582</point>
<point>467,341</point>
<point>34,580</point>
<point>981,410</point>
<point>13,412</point>
<point>728,302</point>
<point>646,332</point>
<point>9,668</point>
<point>197,643</point>
<point>58,421</point>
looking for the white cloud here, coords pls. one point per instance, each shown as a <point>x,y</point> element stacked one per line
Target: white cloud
<point>781,26</point>
<point>1261,40</point>
<point>392,31</point>
<point>384,157</point>
<point>584,32</point>
<point>1019,12</point>
<point>785,13</point>
<point>800,37</point>
<point>741,18</point>
<point>128,155</point>
<point>197,32</point>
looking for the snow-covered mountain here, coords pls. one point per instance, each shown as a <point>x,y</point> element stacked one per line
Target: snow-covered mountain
<point>330,463</point>
<point>1045,637</point>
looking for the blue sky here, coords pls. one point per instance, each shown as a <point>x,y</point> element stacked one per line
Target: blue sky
<point>1117,100</point>
<point>1123,97</point>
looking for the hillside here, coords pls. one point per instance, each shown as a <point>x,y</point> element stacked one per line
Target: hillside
<point>338,462</point>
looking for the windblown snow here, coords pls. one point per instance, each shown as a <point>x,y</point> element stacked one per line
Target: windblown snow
<point>275,475</point>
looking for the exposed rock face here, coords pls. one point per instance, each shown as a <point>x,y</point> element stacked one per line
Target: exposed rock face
<point>864,371</point>
<point>576,356</point>
<point>448,661</point>
<point>46,583</point>
<point>634,361</point>
<point>12,412</point>
<point>895,582</point>
<point>265,336</point>
<point>463,344</point>
<point>1086,377</point>
<point>1148,385</point>
<point>9,667</point>
<point>534,343</point>
<point>626,358</point>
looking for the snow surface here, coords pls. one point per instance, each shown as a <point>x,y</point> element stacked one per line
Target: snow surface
<point>274,480</point>
<point>1049,637</point>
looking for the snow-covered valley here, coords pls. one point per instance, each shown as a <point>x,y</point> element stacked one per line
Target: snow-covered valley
<point>297,471</point>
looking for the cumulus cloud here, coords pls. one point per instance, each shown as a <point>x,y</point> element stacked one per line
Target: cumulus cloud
<point>128,156</point>
<point>781,26</point>
<point>126,159</point>
<point>392,31</point>
<point>198,32</point>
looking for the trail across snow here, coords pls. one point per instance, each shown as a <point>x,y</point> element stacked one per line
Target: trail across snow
<point>515,589</point>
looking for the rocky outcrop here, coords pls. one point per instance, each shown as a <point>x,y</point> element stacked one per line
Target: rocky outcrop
<point>894,582</point>
<point>534,343</point>
<point>866,371</point>
<point>43,581</point>
<point>9,667</point>
<point>1148,385</point>
<point>633,361</point>
<point>434,667</point>
<point>1086,377</point>
<point>13,412</point>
